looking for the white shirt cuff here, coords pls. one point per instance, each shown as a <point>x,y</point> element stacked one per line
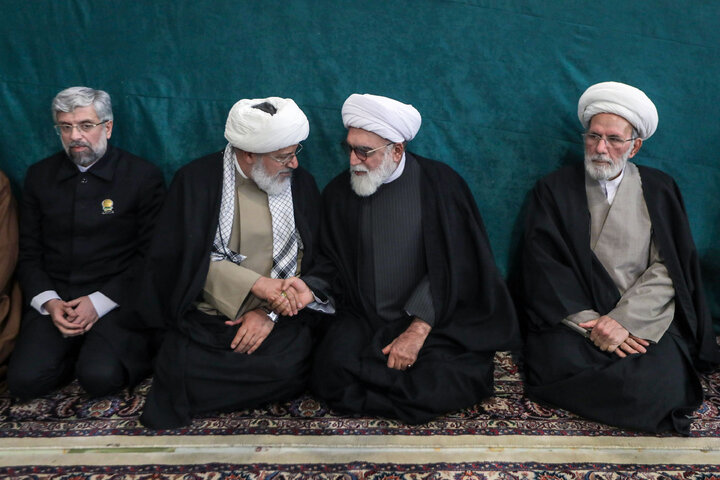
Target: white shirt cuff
<point>102,304</point>
<point>39,300</point>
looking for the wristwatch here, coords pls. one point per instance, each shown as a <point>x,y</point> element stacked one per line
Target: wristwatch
<point>271,315</point>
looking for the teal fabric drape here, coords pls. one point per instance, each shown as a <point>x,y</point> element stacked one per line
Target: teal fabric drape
<point>497,83</point>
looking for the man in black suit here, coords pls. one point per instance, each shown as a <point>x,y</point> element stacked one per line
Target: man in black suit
<point>86,218</point>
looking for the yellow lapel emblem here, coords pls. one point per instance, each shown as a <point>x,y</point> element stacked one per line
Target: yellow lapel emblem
<point>107,207</point>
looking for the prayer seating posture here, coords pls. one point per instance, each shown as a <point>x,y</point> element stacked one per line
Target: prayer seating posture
<point>86,219</point>
<point>420,305</point>
<point>235,224</point>
<point>617,319</point>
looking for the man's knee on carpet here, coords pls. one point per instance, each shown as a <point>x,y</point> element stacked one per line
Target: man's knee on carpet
<point>26,382</point>
<point>100,378</point>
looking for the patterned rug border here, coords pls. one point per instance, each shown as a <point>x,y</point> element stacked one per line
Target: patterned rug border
<point>468,470</point>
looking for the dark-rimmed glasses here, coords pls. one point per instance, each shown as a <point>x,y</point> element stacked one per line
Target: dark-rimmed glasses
<point>362,153</point>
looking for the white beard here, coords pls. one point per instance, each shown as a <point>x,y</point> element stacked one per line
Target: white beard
<point>366,185</point>
<point>272,185</point>
<point>608,169</point>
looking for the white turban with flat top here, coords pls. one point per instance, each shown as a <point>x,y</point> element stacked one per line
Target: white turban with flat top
<point>256,131</point>
<point>393,120</point>
<point>623,100</point>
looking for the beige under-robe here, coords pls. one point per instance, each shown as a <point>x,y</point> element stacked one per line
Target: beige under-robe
<point>621,239</point>
<point>227,287</point>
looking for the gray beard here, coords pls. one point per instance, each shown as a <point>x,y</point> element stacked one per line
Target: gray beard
<point>366,185</point>
<point>272,185</point>
<point>89,157</point>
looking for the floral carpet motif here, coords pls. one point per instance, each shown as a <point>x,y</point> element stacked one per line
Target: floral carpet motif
<point>69,412</point>
<point>371,471</point>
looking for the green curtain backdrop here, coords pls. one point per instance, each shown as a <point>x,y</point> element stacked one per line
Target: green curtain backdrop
<point>496,82</point>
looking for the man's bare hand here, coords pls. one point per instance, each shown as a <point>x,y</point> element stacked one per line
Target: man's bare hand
<point>403,351</point>
<point>255,326</point>
<point>609,336</point>
<point>59,311</point>
<point>266,288</point>
<point>295,296</point>
<point>84,310</point>
<point>632,345</point>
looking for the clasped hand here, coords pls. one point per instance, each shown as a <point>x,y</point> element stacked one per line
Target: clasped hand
<point>609,336</point>
<point>285,297</point>
<point>74,317</point>
<point>294,296</point>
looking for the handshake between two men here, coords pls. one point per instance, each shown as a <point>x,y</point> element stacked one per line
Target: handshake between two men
<point>286,297</point>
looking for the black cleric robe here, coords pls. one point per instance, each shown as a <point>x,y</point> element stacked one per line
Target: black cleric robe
<point>655,391</point>
<point>195,370</point>
<point>472,309</point>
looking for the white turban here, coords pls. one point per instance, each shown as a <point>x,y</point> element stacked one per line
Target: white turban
<point>396,121</point>
<point>623,100</point>
<point>255,131</point>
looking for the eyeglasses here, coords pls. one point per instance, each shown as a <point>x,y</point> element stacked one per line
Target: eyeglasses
<point>67,128</point>
<point>613,141</point>
<point>285,159</point>
<point>362,153</point>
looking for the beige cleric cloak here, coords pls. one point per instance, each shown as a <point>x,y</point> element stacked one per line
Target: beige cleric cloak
<point>10,299</point>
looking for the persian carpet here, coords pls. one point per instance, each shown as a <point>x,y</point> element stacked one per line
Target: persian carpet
<point>370,471</point>
<point>68,435</point>
<point>69,412</point>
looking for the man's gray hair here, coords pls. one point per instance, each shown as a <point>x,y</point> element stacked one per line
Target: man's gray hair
<point>74,97</point>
